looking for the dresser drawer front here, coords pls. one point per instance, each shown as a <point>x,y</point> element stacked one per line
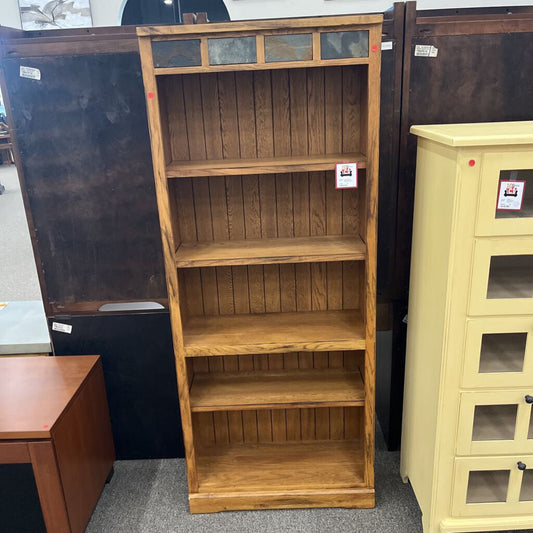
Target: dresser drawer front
<point>498,352</point>
<point>495,422</point>
<point>506,195</point>
<point>502,277</point>
<point>493,486</point>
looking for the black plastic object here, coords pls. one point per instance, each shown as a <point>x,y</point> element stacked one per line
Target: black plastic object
<point>140,377</point>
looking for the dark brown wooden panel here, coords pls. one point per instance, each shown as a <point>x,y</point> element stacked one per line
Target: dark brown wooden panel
<point>85,155</point>
<point>481,74</point>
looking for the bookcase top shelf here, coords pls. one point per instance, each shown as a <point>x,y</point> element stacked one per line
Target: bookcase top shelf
<point>261,165</point>
<point>271,251</point>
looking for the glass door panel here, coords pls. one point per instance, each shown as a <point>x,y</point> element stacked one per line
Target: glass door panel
<point>506,194</point>
<point>493,486</point>
<point>502,277</point>
<point>495,422</point>
<point>499,352</point>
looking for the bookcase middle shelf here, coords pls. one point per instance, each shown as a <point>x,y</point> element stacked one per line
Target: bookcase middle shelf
<point>276,389</point>
<point>274,333</point>
<point>271,251</point>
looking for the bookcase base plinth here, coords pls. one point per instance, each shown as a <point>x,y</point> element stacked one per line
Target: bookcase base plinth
<point>361,498</point>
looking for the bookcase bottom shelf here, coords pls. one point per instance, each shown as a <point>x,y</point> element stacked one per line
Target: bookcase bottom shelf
<point>281,475</point>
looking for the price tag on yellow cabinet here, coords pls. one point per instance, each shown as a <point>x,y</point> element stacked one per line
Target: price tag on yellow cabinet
<point>511,195</point>
<point>346,176</point>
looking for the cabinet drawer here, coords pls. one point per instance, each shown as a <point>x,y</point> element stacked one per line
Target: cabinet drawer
<point>495,422</point>
<point>506,195</point>
<point>493,486</point>
<point>498,352</point>
<point>502,277</point>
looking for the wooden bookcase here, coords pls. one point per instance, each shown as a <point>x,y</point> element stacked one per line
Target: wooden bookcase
<point>271,270</point>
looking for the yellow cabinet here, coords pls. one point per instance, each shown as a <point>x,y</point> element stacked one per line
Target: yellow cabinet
<point>467,442</point>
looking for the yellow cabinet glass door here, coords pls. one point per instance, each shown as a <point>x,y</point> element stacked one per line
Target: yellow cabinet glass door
<point>498,352</point>
<point>495,422</point>
<point>493,486</point>
<point>502,277</point>
<point>506,195</point>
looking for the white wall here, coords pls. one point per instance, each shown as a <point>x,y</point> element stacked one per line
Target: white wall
<point>9,14</point>
<point>252,9</point>
<point>109,12</point>
<point>104,12</point>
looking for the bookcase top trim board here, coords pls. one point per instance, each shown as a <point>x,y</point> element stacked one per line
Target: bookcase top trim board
<point>260,45</point>
<point>270,262</point>
<point>338,22</point>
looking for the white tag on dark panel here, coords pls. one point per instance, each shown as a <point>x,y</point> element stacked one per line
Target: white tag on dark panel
<point>30,73</point>
<point>64,328</point>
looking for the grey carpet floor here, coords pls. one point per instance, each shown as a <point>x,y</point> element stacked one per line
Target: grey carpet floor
<point>18,274</point>
<point>151,497</point>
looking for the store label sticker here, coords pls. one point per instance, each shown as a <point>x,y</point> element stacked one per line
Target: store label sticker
<point>426,50</point>
<point>387,45</point>
<point>64,328</point>
<point>346,176</point>
<point>30,73</point>
<point>511,195</point>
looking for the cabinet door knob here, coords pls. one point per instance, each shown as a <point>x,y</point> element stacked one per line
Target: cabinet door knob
<point>521,465</point>
<point>529,398</point>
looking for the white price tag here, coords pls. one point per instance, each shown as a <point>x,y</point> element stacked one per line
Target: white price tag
<point>64,328</point>
<point>511,195</point>
<point>426,50</point>
<point>386,45</point>
<point>30,73</point>
<point>346,176</point>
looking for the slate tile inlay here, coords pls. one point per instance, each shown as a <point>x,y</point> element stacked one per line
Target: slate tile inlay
<point>232,50</point>
<point>296,47</point>
<point>344,44</point>
<point>184,53</point>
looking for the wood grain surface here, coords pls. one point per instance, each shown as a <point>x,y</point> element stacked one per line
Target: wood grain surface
<point>35,391</point>
<point>281,466</point>
<point>227,391</point>
<point>271,251</point>
<point>261,165</point>
<point>273,333</point>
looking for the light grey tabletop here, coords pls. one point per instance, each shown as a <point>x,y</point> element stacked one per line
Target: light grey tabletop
<point>23,328</point>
